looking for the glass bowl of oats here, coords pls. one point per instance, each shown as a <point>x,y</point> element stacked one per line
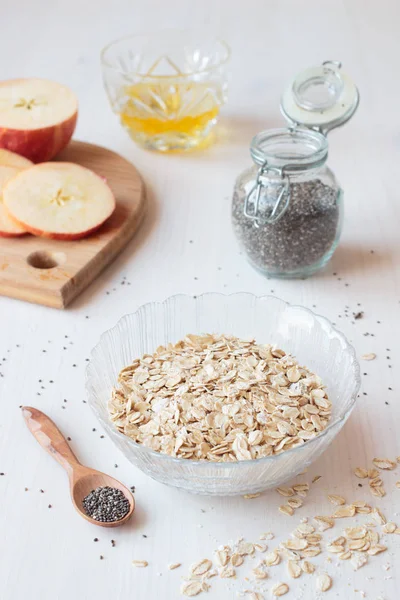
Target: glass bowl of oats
<point>222,394</point>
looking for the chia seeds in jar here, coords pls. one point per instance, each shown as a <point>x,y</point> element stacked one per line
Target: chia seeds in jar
<point>287,210</point>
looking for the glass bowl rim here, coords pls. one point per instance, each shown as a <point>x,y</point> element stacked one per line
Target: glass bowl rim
<point>237,464</point>
<point>215,39</point>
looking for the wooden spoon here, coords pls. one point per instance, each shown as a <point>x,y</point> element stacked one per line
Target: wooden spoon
<point>82,480</point>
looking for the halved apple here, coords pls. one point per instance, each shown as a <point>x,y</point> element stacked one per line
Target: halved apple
<point>37,117</point>
<point>59,200</point>
<point>10,165</point>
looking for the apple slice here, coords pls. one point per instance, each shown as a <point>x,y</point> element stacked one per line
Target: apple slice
<point>11,159</point>
<point>59,200</point>
<point>10,165</point>
<point>37,117</point>
<point>8,227</point>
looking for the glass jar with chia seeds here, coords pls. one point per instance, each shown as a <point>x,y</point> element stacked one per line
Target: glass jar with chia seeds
<point>287,208</point>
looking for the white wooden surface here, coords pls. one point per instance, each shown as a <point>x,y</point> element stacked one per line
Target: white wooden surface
<point>187,245</point>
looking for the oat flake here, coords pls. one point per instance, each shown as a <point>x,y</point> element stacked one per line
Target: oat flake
<point>280,589</point>
<point>191,588</point>
<point>324,582</point>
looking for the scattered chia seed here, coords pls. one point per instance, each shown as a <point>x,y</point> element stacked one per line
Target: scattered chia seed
<point>300,239</point>
<point>113,543</point>
<point>106,504</point>
<point>101,557</point>
<point>358,315</point>
<point>96,539</point>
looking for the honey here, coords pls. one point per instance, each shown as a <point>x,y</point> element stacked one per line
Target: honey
<point>170,115</point>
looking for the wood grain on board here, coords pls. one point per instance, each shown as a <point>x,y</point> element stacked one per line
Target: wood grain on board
<point>54,272</point>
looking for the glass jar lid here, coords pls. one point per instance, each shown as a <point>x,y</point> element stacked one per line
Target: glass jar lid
<point>321,97</point>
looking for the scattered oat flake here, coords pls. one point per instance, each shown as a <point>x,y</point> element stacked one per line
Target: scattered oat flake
<point>295,502</point>
<point>316,478</point>
<point>267,536</point>
<point>245,548</point>
<point>361,473</point>
<point>251,496</point>
<point>272,558</point>
<point>261,547</point>
<point>237,560</point>
<point>358,560</point>
<point>355,533</point>
<point>370,356</point>
<point>337,500</point>
<point>191,588</point>
<point>173,566</point>
<point>201,567</point>
<point>384,463</point>
<point>310,552</point>
<point>376,549</point>
<point>389,527</point>
<point>345,555</point>
<point>285,491</point>
<point>286,510</point>
<point>324,582</point>
<point>227,572</point>
<point>221,558</point>
<point>140,563</point>
<point>324,522</point>
<point>280,589</point>
<point>259,573</point>
<point>294,569</point>
<point>344,511</point>
<point>372,473</point>
<point>296,544</point>
<point>255,596</point>
<point>380,517</point>
<point>307,566</point>
<point>398,484</point>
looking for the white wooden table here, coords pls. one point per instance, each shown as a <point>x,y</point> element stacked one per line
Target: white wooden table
<point>187,245</point>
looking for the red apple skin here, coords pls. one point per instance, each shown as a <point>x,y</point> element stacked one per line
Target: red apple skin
<point>3,234</point>
<point>67,237</point>
<point>39,145</point>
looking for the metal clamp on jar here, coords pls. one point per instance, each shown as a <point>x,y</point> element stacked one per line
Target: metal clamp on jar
<point>287,209</point>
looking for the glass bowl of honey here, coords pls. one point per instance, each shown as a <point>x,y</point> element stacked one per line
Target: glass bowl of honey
<point>167,88</point>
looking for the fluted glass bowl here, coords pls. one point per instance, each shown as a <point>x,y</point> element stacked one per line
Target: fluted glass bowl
<point>312,339</point>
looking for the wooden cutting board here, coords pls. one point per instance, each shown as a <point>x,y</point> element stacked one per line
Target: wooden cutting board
<point>53,272</point>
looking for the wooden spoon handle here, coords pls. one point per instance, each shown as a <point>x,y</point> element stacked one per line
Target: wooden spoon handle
<point>50,437</point>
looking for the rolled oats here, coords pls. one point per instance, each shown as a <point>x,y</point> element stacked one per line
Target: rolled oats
<point>384,463</point>
<point>191,588</point>
<point>237,560</point>
<point>361,473</point>
<point>286,509</point>
<point>218,398</point>
<point>307,567</point>
<point>337,500</point>
<point>324,582</point>
<point>389,527</point>
<point>280,589</point>
<point>285,491</point>
<point>140,563</point>
<point>294,569</point>
<point>201,567</point>
<point>272,559</point>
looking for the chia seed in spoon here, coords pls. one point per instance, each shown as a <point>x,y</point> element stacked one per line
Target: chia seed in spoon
<point>106,504</point>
